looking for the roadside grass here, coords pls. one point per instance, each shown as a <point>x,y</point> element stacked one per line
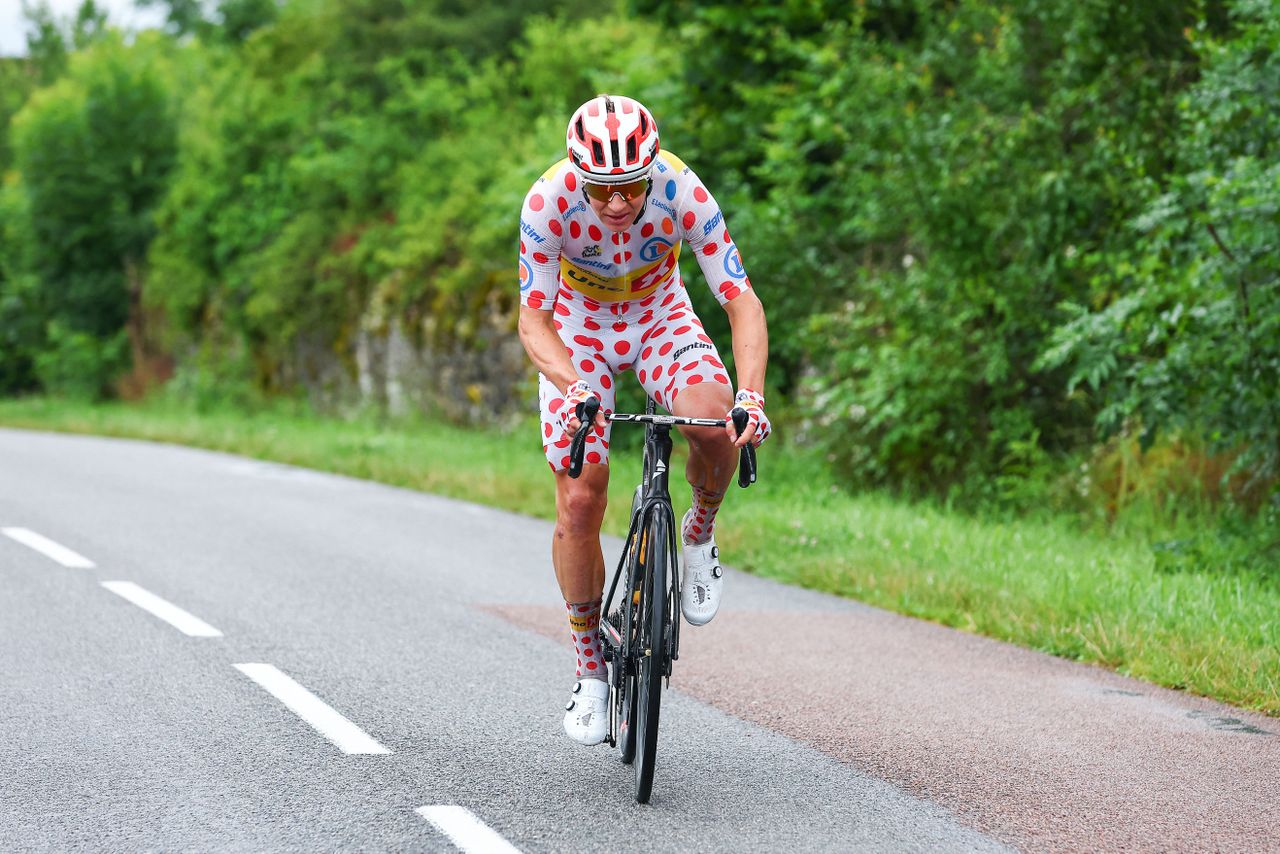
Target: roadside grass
<point>1043,584</point>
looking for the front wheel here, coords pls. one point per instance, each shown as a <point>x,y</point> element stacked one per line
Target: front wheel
<point>651,651</point>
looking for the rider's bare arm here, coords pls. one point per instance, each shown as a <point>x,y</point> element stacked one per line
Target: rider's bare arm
<point>750,339</point>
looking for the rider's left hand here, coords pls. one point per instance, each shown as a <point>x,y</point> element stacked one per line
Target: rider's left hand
<point>758,427</point>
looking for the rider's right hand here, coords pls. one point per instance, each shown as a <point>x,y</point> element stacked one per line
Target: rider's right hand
<point>570,412</point>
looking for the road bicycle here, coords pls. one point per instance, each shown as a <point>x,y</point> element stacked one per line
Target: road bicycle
<point>641,634</point>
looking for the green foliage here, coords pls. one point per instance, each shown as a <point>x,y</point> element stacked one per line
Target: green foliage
<point>92,153</point>
<point>1184,336</point>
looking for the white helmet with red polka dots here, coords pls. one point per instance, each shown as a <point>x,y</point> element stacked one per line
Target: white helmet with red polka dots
<point>612,140</point>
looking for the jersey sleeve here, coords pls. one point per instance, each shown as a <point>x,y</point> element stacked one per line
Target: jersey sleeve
<point>704,231</point>
<point>540,241</point>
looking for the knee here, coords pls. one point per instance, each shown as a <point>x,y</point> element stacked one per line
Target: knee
<point>580,508</point>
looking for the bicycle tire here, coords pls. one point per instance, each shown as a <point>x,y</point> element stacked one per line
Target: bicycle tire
<point>651,665</point>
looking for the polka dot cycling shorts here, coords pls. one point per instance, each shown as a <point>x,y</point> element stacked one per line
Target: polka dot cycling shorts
<point>667,350</point>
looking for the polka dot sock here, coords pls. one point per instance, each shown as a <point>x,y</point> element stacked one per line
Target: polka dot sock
<point>700,523</point>
<point>584,626</point>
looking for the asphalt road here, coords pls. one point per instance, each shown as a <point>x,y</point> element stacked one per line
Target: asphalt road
<point>360,667</point>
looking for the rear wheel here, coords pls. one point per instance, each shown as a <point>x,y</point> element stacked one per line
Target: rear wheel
<point>651,649</point>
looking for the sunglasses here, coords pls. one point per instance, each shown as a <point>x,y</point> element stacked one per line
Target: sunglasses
<point>605,192</point>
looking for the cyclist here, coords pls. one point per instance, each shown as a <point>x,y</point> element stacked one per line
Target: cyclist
<point>600,294</point>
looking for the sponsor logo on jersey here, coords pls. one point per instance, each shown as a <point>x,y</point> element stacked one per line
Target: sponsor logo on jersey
<point>599,265</point>
<point>733,263</point>
<point>526,275</point>
<point>711,223</point>
<point>592,251</point>
<point>654,249</point>
<point>697,345</point>
<point>580,207</point>
<point>578,274</point>
<point>531,232</point>
<point>670,211</point>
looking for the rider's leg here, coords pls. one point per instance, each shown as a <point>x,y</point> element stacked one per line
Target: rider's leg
<point>579,561</point>
<point>712,457</point>
<point>579,565</point>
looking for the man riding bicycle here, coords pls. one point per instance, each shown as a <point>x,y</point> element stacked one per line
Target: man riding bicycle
<point>601,293</point>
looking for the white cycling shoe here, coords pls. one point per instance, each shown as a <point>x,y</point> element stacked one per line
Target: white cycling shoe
<point>586,718</point>
<point>703,582</point>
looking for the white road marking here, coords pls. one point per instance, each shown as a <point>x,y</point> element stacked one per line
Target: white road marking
<point>173,615</point>
<point>464,830</point>
<point>49,548</point>
<point>347,736</point>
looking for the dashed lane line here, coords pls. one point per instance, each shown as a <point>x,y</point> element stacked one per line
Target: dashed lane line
<point>468,833</point>
<point>181,620</point>
<point>348,737</point>
<point>49,548</point>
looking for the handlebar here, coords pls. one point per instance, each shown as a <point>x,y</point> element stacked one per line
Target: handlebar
<point>587,410</point>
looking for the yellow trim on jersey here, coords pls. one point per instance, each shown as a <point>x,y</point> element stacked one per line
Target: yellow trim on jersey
<point>636,284</point>
<point>546,176</point>
<point>676,162</point>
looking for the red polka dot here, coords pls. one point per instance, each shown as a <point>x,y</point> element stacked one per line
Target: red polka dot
<point>657,372</point>
<point>587,366</point>
<point>588,652</point>
<point>626,237</point>
<point>546,430</point>
<point>590,324</point>
<point>620,326</point>
<point>642,376</point>
<point>732,292</point>
<point>584,341</point>
<point>722,379</point>
<point>540,258</point>
<point>558,324</point>
<point>522,249</point>
<point>563,442</point>
<point>626,256</point>
<point>683,329</point>
<point>554,225</point>
<point>617,239</point>
<point>695,379</point>
<point>592,231</point>
<point>689,220</point>
<point>591,305</point>
<point>535,203</point>
<point>555,403</point>
<point>591,665</point>
<point>534,302</point>
<point>700,194</point>
<point>564,464</point>
<point>570,181</point>
<point>644,354</point>
<point>665,348</point>
<point>562,203</point>
<point>726,236</point>
<point>617,257</point>
<point>575,230</point>
<point>605,381</point>
<point>667,226</point>
<point>670,298</point>
<point>621,347</point>
<point>646,230</point>
<point>562,309</point>
<point>690,366</point>
<point>675,315</point>
<point>594,457</point>
<point>709,249</point>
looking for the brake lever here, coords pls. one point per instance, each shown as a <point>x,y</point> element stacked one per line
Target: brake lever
<point>747,456</point>
<point>586,412</point>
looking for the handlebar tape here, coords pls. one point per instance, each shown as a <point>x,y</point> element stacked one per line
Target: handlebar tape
<point>577,448</point>
<point>747,456</point>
